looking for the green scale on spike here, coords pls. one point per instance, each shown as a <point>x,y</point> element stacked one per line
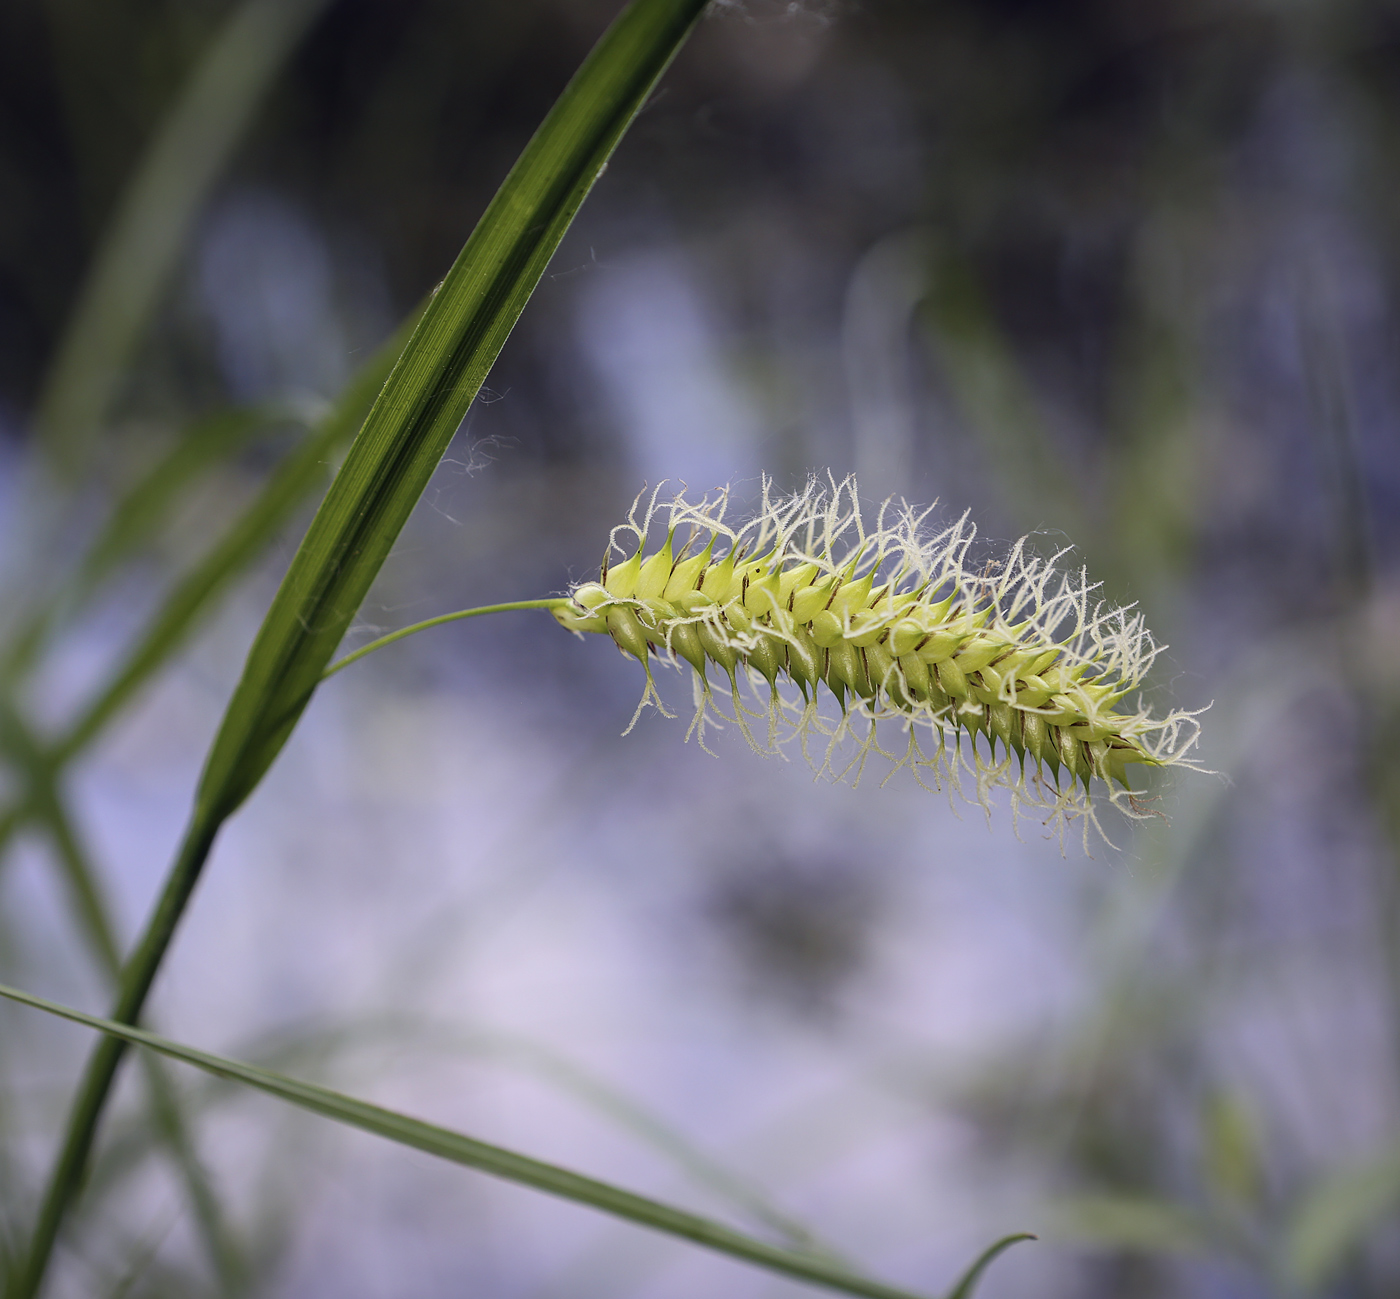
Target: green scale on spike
<point>893,627</point>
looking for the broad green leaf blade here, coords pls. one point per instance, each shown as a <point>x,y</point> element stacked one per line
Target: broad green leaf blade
<point>457,341</point>
<point>146,237</point>
<point>506,1164</point>
<point>967,1283</point>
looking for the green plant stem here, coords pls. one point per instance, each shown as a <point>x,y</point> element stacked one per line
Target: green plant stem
<point>165,1108</point>
<point>551,603</point>
<point>94,919</point>
<point>136,980</point>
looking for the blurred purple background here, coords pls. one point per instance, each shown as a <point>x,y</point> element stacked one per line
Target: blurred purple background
<point>1121,276</point>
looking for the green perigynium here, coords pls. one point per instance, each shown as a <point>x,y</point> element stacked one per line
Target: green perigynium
<point>1010,672</point>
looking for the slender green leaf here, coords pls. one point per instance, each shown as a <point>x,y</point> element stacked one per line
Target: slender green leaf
<point>967,1284</point>
<point>311,1045</point>
<point>137,517</point>
<point>140,515</point>
<point>92,917</point>
<point>506,1164</point>
<point>1336,1216</point>
<point>146,237</point>
<point>456,343</point>
<point>198,592</point>
<point>1135,1222</point>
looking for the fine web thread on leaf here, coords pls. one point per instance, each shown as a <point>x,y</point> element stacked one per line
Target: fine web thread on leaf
<point>1011,674</point>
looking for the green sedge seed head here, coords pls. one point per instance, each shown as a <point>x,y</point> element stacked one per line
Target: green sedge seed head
<point>1010,673</point>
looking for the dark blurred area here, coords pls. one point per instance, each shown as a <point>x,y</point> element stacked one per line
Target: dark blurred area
<point>1122,276</point>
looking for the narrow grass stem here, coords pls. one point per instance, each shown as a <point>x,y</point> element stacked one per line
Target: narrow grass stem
<point>552,603</point>
<point>136,979</point>
<point>93,917</point>
<point>170,1124</point>
<point>169,1121</point>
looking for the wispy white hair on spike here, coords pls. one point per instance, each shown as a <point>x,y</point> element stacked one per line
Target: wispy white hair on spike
<point>1015,674</point>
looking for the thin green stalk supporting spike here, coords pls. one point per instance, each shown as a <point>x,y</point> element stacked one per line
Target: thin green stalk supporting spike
<point>148,233</point>
<point>506,1164</point>
<point>553,602</point>
<point>404,436</point>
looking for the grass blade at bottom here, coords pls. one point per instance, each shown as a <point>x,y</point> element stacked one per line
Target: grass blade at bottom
<point>499,1162</point>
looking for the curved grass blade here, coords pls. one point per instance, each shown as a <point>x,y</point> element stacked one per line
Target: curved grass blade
<point>463,329</point>
<point>968,1282</point>
<point>409,427</point>
<point>198,591</point>
<point>506,1164</point>
<point>1334,1218</point>
<point>146,508</point>
<point>146,236</point>
<point>136,518</point>
<point>315,1046</point>
<point>630,1115</point>
<point>92,916</point>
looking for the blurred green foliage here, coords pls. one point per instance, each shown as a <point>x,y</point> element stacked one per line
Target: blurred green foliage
<point>1126,274</point>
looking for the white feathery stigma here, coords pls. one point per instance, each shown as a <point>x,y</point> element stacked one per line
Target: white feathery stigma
<point>1011,673</point>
